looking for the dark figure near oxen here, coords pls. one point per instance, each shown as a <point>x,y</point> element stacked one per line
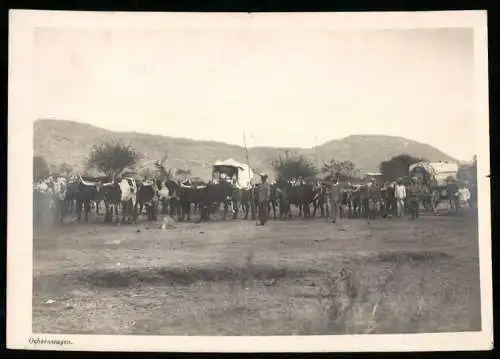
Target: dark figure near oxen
<point>147,197</point>
<point>373,201</point>
<point>283,200</point>
<point>112,198</point>
<point>213,196</point>
<point>86,193</point>
<point>302,195</point>
<point>248,202</point>
<point>206,196</point>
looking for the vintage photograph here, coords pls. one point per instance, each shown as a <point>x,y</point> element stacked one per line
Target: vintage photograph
<point>255,180</point>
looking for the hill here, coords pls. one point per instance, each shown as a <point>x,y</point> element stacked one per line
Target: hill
<point>61,141</point>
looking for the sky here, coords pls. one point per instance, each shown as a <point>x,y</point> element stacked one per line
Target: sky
<point>281,87</point>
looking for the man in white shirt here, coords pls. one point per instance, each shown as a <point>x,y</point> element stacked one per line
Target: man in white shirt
<point>464,195</point>
<point>400,195</point>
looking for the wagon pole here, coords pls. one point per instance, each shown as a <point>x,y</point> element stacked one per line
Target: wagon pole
<point>247,156</point>
<point>252,202</point>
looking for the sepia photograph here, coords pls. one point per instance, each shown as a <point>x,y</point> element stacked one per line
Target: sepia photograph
<point>276,177</point>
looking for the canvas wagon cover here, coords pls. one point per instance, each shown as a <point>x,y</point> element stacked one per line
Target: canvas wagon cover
<point>439,170</point>
<point>245,173</point>
<point>230,162</point>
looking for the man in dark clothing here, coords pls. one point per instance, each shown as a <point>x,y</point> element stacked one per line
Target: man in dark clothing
<point>264,195</point>
<point>452,191</point>
<point>335,196</point>
<point>345,201</point>
<point>413,197</point>
<point>374,199</point>
<point>391,199</point>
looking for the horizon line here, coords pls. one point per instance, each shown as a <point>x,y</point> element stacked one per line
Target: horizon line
<point>246,133</point>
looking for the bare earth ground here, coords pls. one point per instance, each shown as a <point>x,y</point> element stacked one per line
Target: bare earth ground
<point>235,278</point>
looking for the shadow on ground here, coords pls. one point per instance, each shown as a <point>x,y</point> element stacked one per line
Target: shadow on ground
<point>408,257</point>
<point>170,276</point>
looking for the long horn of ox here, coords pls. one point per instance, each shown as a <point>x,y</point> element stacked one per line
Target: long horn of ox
<point>121,172</point>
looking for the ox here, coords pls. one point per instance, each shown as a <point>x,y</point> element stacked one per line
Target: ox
<point>147,196</point>
<point>248,202</point>
<point>208,196</point>
<point>65,193</point>
<point>85,191</point>
<point>112,195</point>
<point>301,195</point>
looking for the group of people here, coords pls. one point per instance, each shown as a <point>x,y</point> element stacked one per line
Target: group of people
<point>264,196</point>
<point>397,198</point>
<point>406,198</point>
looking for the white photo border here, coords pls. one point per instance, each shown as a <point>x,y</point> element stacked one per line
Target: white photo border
<point>22,24</point>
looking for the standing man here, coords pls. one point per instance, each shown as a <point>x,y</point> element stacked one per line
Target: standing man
<point>414,192</point>
<point>400,196</point>
<point>452,189</point>
<point>473,195</point>
<point>153,211</point>
<point>464,195</point>
<point>264,195</point>
<point>390,198</point>
<point>323,200</point>
<point>374,199</point>
<point>335,196</point>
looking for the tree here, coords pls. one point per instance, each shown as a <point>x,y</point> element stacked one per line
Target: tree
<point>397,166</point>
<point>289,167</point>
<point>112,158</point>
<point>65,168</point>
<point>40,168</point>
<point>343,170</point>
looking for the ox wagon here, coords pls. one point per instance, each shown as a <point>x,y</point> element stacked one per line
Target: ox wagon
<point>436,178</point>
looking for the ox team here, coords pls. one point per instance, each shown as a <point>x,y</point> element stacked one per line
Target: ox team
<point>125,198</point>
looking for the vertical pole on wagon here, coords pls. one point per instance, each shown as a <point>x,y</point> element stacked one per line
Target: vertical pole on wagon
<point>251,197</point>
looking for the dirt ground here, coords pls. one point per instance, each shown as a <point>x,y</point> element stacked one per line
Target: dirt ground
<point>235,278</point>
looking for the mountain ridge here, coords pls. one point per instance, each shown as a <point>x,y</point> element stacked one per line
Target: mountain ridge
<point>69,141</point>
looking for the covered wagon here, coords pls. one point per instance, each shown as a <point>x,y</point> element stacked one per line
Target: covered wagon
<point>435,177</point>
<point>240,177</point>
<point>237,173</point>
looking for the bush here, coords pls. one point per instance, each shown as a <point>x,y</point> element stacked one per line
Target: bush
<point>293,167</point>
<point>397,166</point>
<point>112,158</point>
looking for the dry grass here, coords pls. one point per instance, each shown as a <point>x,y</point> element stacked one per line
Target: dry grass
<point>234,278</point>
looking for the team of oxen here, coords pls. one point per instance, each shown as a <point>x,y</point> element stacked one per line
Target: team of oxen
<point>125,199</point>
